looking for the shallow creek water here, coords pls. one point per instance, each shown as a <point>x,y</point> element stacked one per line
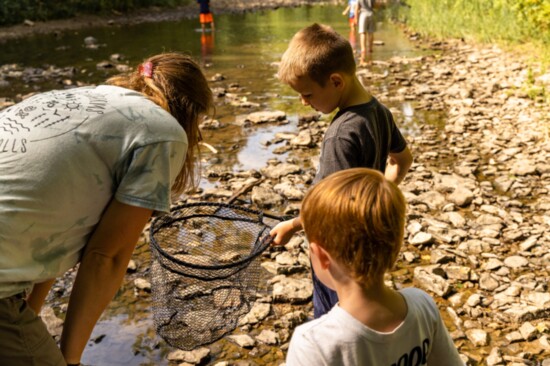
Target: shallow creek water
<point>244,49</point>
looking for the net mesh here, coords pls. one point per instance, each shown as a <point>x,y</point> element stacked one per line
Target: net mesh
<point>205,270</point>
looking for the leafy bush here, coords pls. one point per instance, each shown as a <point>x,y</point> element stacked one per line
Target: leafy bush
<point>515,21</point>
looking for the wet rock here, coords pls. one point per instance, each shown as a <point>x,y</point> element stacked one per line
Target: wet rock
<point>523,167</point>
<point>434,200</point>
<point>289,191</point>
<point>194,357</point>
<point>266,117</point>
<point>291,320</point>
<point>266,197</point>
<point>142,284</point>
<point>303,139</point>
<point>455,218</point>
<point>258,313</point>
<point>242,340</point>
<point>105,65</point>
<point>430,281</point>
<point>478,337</point>
<point>459,273</point>
<point>280,170</point>
<point>422,238</point>
<point>461,197</point>
<point>217,77</point>
<point>292,290</point>
<point>528,331</point>
<point>521,313</point>
<point>487,282</point>
<point>516,261</point>
<point>211,124</point>
<point>268,337</point>
<point>514,337</point>
<point>493,264</point>
<point>494,357</point>
<point>88,41</point>
<point>438,256</point>
<point>474,300</point>
<point>132,266</point>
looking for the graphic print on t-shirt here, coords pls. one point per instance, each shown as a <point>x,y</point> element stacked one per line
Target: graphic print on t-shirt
<point>46,116</point>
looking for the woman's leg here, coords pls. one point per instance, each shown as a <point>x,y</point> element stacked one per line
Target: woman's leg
<point>24,337</point>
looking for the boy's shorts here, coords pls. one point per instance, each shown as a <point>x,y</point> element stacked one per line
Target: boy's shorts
<point>324,298</point>
<point>366,23</point>
<point>24,337</point>
<point>206,18</point>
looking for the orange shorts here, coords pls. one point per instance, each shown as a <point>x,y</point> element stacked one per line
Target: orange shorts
<point>206,18</point>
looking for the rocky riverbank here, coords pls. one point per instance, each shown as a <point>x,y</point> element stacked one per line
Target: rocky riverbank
<point>477,236</point>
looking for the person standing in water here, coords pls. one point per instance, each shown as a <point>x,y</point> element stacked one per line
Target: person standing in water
<point>205,16</point>
<point>364,13</point>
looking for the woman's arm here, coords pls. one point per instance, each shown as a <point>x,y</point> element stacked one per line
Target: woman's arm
<point>100,274</point>
<point>38,294</point>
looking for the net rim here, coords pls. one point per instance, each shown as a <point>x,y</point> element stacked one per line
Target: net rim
<point>161,221</point>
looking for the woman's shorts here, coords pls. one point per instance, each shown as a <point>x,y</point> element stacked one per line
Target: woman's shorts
<point>366,23</point>
<point>24,337</point>
<point>206,18</point>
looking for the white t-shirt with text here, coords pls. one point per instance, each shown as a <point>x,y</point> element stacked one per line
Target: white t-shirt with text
<point>338,339</point>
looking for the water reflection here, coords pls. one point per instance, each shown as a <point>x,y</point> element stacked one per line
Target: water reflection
<point>207,47</point>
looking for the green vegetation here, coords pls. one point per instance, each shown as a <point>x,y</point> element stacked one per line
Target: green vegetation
<point>508,22</point>
<point>15,12</point>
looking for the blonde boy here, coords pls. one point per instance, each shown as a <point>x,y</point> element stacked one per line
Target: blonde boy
<point>354,221</point>
<point>319,65</point>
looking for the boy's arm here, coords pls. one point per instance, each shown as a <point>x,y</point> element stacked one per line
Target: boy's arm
<point>283,231</point>
<point>346,10</point>
<point>398,165</point>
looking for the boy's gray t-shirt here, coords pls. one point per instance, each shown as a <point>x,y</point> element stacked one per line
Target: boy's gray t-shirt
<point>359,136</point>
<point>63,156</point>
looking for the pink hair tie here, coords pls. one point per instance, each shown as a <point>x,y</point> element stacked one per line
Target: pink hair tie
<point>146,69</point>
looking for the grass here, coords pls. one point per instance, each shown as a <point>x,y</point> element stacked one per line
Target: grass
<point>517,26</point>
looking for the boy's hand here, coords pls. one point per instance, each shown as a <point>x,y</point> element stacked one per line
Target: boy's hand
<point>283,231</point>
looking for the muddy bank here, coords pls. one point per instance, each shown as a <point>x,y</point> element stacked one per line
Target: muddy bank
<point>153,14</point>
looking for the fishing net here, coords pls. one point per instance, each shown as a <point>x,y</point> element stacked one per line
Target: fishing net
<point>205,270</point>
